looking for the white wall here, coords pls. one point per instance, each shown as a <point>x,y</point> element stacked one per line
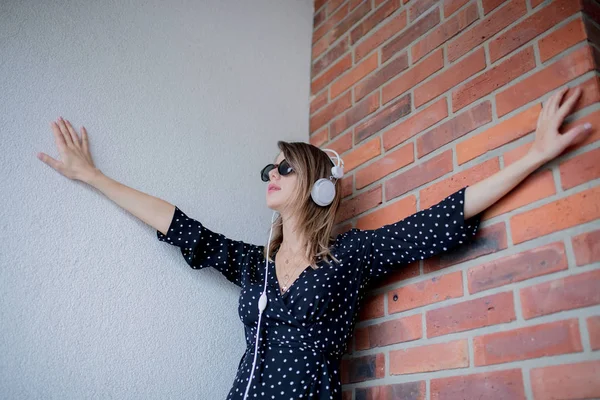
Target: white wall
<point>183,100</point>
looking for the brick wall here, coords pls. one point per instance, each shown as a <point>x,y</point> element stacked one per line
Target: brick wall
<point>420,98</point>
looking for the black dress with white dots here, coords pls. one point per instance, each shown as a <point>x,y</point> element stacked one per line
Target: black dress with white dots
<point>305,331</point>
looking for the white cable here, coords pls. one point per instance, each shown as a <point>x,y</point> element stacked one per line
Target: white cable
<point>262,304</point>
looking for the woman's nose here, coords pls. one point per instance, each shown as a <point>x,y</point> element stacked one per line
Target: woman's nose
<point>272,173</point>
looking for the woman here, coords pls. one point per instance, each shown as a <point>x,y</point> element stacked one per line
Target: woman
<point>315,282</point>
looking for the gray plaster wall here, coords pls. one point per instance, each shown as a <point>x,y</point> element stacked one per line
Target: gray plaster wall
<point>183,100</point>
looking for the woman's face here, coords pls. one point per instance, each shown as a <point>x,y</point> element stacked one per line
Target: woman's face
<point>280,188</point>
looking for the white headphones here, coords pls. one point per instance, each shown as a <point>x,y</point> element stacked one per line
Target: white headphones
<point>323,191</point>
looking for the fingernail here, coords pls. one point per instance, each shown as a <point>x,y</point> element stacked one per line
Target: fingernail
<point>587,125</point>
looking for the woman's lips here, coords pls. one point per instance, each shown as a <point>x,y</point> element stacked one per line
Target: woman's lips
<point>273,189</point>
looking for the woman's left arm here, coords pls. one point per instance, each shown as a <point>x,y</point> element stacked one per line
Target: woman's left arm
<point>548,144</point>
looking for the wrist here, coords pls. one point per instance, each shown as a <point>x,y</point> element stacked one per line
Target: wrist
<point>534,160</point>
<point>91,176</point>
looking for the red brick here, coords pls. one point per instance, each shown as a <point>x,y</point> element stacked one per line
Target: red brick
<point>318,102</point>
<point>397,391</point>
<point>564,213</point>
<point>319,48</point>
<point>319,4</point>
<point>539,185</point>
<point>387,30</point>
<point>579,169</point>
<point>372,308</point>
<point>359,369</point>
<point>347,185</point>
<point>432,357</point>
<point>490,5</point>
<point>419,175</point>
<point>498,135</point>
<point>488,240</point>
<point>319,18</point>
<point>553,76</point>
<point>413,76</point>
<point>528,264</point>
<point>439,190</point>
<point>384,74</point>
<point>361,70</point>
<point>451,6</point>
<point>333,5</point>
<point>320,137</point>
<point>428,291</point>
<point>586,247</point>
<point>452,76</point>
<point>532,26</point>
<point>492,79</point>
<point>444,32</point>
<point>333,72</point>
<point>550,339</point>
<point>391,162</point>
<point>328,58</point>
<point>566,381</point>
<point>331,111</point>
<point>374,20</point>
<point>386,116</point>
<point>486,28</point>
<point>418,7</point>
<point>414,31</point>
<point>359,204</point>
<point>361,154</point>
<point>490,310</point>
<point>593,326</point>
<point>396,331</point>
<point>388,214</point>
<point>561,39</point>
<point>341,144</point>
<point>568,293</point>
<point>415,124</point>
<point>454,128</point>
<point>353,17</point>
<point>506,384</point>
<point>332,20</point>
<point>359,111</point>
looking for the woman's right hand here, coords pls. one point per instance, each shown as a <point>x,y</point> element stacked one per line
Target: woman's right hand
<point>76,159</point>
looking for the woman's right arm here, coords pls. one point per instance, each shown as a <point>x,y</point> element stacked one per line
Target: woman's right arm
<point>76,163</point>
<point>152,210</point>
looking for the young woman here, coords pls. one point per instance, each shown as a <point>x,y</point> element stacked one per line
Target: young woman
<point>314,282</point>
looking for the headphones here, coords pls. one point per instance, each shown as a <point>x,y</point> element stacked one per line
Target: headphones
<point>322,193</point>
<point>323,190</point>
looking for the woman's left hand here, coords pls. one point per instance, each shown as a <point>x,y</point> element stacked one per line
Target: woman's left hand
<point>549,142</point>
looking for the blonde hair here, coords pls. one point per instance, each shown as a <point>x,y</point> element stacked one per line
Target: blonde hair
<point>314,222</point>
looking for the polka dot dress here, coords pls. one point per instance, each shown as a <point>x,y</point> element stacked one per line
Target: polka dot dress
<point>305,330</point>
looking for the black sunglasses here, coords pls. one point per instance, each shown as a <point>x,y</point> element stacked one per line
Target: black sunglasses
<point>283,168</point>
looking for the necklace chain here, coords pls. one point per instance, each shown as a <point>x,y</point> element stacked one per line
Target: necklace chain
<point>286,276</point>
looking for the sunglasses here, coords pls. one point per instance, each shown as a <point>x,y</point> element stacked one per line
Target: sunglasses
<point>283,168</point>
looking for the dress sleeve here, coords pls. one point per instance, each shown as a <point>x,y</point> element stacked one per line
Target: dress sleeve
<point>424,234</point>
<point>201,248</point>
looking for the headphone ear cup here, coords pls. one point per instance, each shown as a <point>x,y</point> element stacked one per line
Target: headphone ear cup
<point>323,192</point>
<point>337,172</point>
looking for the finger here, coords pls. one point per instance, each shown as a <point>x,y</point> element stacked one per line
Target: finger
<point>84,140</point>
<point>555,99</point>
<point>55,164</point>
<point>575,134</point>
<point>58,137</point>
<point>568,105</point>
<point>65,132</point>
<point>72,132</point>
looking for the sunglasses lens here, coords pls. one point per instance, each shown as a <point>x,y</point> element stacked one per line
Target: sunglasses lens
<point>285,168</point>
<point>264,174</point>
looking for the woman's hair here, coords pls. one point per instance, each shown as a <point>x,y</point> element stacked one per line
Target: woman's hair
<point>314,222</point>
